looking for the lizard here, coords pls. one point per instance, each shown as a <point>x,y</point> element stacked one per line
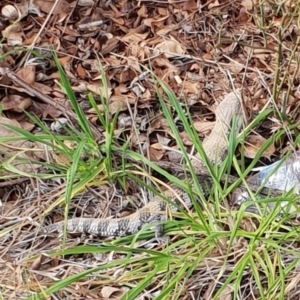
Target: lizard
<point>155,211</point>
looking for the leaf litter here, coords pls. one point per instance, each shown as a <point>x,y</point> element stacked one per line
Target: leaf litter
<point>197,48</point>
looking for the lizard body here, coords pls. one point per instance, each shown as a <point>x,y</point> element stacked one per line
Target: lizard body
<point>154,212</point>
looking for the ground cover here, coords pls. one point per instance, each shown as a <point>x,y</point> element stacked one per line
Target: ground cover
<point>91,92</point>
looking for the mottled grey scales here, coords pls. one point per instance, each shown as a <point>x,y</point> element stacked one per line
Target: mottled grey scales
<point>151,213</point>
<point>215,147</point>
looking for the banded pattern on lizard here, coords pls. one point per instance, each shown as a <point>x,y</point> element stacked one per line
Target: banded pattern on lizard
<point>155,212</point>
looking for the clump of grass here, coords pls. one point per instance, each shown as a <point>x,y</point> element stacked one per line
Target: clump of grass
<point>211,243</point>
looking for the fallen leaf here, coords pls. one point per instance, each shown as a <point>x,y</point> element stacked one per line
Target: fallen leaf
<point>248,4</point>
<point>112,293</point>
<point>27,74</point>
<point>253,144</point>
<point>170,48</point>
<point>15,103</point>
<point>156,152</point>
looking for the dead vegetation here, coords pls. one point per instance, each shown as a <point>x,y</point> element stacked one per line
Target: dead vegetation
<point>108,49</point>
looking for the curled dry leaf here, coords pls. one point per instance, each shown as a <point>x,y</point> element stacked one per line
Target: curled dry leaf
<point>253,144</point>
<point>112,293</point>
<point>37,263</point>
<point>151,22</point>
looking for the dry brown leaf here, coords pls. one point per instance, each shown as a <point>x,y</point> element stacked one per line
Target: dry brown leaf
<point>142,11</point>
<point>157,22</point>
<point>136,141</point>
<point>9,209</point>
<point>156,152</point>
<point>191,87</point>
<point>133,62</point>
<point>185,139</point>
<point>134,37</point>
<point>15,103</point>
<point>23,9</point>
<point>235,68</point>
<point>163,140</point>
<point>213,4</point>
<point>243,16</point>
<point>81,71</point>
<point>112,293</point>
<point>98,88</point>
<point>114,107</point>
<point>48,110</point>
<point>27,126</point>
<point>164,62</point>
<point>27,74</point>
<point>146,96</point>
<point>248,4</point>
<point>124,98</point>
<point>65,60</point>
<point>13,34</point>
<point>189,5</point>
<point>62,7</point>
<point>37,263</point>
<point>207,56</point>
<point>45,89</point>
<point>157,146</point>
<point>170,48</point>
<point>253,144</point>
